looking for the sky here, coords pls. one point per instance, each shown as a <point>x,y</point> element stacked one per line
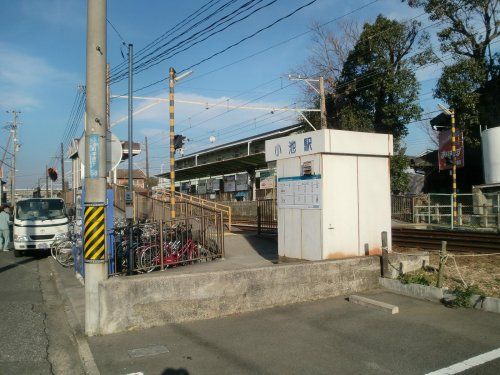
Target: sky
<point>42,64</point>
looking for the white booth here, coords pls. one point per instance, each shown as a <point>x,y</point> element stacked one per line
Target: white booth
<point>333,193</point>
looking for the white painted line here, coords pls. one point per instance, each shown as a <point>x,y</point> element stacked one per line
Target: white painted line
<point>468,363</point>
<point>150,350</point>
<point>373,303</point>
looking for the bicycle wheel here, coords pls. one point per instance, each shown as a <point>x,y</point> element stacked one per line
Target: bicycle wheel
<point>149,258</point>
<point>64,254</point>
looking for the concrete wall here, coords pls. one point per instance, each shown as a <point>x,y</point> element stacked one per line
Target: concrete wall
<point>152,300</point>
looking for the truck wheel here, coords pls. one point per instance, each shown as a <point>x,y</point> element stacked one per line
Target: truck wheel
<point>18,253</point>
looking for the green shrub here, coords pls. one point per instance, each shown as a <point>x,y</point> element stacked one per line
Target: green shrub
<point>463,296</point>
<point>415,279</point>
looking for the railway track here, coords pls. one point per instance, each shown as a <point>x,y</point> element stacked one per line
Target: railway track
<point>457,240</point>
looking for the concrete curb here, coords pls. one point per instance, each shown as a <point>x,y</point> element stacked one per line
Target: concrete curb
<point>431,293</point>
<point>368,302</point>
<point>84,351</point>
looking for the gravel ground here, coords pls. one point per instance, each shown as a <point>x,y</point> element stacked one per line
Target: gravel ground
<point>474,269</point>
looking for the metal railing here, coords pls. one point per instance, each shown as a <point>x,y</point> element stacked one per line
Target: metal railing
<point>473,210</point>
<point>165,244</point>
<point>164,195</point>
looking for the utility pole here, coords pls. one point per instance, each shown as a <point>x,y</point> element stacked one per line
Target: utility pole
<point>129,196</point>
<point>46,181</point>
<point>171,84</point>
<point>94,246</point>
<point>108,124</point>
<point>324,123</point>
<point>63,188</point>
<point>147,162</point>
<point>13,130</point>
<point>322,98</point>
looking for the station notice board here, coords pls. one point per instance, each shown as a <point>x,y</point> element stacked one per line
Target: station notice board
<point>300,192</point>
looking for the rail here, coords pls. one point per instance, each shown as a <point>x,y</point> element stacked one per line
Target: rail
<point>457,240</point>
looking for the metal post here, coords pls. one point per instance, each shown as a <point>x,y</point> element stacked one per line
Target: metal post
<point>129,200</point>
<point>324,123</point>
<point>96,269</point>
<point>14,150</point>
<point>46,181</point>
<point>171,85</point>
<point>147,163</point>
<point>460,212</point>
<point>498,212</point>
<point>454,166</point>
<point>63,189</point>
<point>429,208</point>
<point>161,245</point>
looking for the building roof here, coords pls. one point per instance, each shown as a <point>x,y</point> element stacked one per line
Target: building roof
<point>234,164</point>
<point>136,173</point>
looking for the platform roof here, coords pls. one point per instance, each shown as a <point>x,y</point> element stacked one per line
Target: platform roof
<point>231,165</point>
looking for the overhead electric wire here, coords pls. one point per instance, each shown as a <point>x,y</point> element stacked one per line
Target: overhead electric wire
<point>140,65</point>
<point>170,31</point>
<point>172,39</point>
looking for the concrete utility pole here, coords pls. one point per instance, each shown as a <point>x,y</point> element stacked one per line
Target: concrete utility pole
<point>13,130</point>
<point>63,188</point>
<point>95,162</point>
<point>147,162</point>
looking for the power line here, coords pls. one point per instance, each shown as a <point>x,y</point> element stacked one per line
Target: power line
<point>190,41</point>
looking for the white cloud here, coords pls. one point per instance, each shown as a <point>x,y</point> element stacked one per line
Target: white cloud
<point>21,75</point>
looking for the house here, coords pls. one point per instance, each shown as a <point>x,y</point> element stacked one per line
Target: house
<point>138,178</point>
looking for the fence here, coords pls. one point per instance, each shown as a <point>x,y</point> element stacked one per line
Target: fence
<point>402,207</point>
<point>165,244</point>
<point>245,211</point>
<point>267,216</point>
<point>473,210</point>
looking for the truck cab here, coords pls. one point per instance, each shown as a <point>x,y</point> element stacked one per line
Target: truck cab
<point>38,222</point>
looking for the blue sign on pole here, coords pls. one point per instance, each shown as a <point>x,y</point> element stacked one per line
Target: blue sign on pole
<point>94,155</point>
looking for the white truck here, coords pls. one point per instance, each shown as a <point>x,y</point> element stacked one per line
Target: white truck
<point>38,222</point>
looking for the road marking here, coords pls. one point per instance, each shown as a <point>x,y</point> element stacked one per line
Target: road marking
<point>468,363</point>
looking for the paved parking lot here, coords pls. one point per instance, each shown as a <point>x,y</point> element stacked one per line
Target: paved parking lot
<point>323,337</point>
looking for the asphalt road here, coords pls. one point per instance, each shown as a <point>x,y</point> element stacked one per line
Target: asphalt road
<point>324,337</point>
<point>34,335</point>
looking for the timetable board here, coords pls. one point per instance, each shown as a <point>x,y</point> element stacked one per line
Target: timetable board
<point>300,192</point>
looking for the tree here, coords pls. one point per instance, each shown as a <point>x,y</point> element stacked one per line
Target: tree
<point>378,88</point>
<point>470,27</point>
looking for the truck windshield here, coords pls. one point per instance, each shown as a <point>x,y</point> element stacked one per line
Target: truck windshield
<point>40,209</point>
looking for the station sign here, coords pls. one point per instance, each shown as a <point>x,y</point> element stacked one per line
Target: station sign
<point>242,182</point>
<point>296,145</point>
<point>229,184</point>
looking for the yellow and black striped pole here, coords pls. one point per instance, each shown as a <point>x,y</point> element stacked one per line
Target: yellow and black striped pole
<point>94,234</point>
<point>454,166</point>
<point>172,145</point>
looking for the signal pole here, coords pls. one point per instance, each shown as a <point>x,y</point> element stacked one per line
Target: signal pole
<point>171,85</point>
<point>94,247</point>
<point>454,166</point>
<point>320,91</point>
<point>129,196</point>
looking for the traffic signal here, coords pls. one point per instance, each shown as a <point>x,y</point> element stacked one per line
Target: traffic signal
<point>52,174</point>
<point>179,141</point>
